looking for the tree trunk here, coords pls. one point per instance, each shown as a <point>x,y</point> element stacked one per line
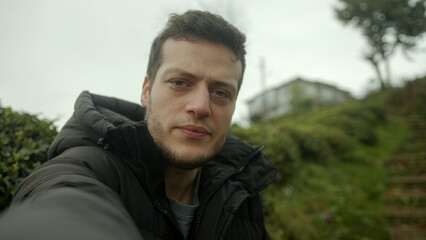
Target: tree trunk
<point>371,58</point>
<point>379,74</point>
<point>388,73</point>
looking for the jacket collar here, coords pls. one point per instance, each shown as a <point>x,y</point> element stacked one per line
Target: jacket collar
<point>118,126</point>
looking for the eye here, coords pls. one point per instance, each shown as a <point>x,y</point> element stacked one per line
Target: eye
<point>221,93</point>
<point>178,82</point>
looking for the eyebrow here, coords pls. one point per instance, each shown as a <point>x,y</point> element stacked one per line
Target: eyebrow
<point>180,72</point>
<point>187,74</point>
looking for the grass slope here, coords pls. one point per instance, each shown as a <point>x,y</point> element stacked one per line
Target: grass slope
<point>331,174</point>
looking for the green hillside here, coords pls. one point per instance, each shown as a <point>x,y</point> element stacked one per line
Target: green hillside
<point>353,171</point>
<point>332,165</point>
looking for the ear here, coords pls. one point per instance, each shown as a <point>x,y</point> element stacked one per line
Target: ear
<point>145,92</point>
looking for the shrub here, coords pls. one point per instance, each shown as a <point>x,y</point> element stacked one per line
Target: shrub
<point>337,199</point>
<point>359,129</point>
<point>361,113</point>
<point>279,147</point>
<point>311,145</point>
<point>288,144</point>
<point>411,98</point>
<point>255,135</point>
<point>340,145</point>
<point>379,111</point>
<point>24,140</point>
<point>284,152</point>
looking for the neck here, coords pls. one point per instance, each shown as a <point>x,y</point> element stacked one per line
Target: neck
<point>180,183</point>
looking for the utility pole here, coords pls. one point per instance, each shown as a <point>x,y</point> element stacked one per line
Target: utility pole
<point>263,87</point>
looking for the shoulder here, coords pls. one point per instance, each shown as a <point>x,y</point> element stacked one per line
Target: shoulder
<point>82,167</point>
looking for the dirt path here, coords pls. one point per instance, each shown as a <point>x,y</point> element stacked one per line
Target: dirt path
<point>405,195</point>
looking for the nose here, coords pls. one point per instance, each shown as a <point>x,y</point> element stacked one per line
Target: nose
<point>198,103</point>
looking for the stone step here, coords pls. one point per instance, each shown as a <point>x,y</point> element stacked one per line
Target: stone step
<point>407,158</point>
<point>420,136</point>
<point>419,180</point>
<point>417,127</point>
<point>405,214</point>
<point>406,169</point>
<point>413,147</point>
<point>420,154</point>
<point>414,197</point>
<point>405,197</point>
<point>407,232</point>
<point>413,193</point>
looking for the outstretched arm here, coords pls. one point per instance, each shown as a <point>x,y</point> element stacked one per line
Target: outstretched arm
<point>67,213</point>
<point>70,197</point>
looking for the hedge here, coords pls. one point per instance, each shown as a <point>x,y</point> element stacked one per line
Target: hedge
<point>24,140</point>
<point>317,136</point>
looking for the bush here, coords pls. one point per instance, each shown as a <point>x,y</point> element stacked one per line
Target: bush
<point>330,164</point>
<point>284,152</point>
<point>279,147</point>
<point>288,144</point>
<point>361,113</point>
<point>359,129</point>
<point>411,98</point>
<point>340,145</point>
<point>24,140</point>
<point>312,146</point>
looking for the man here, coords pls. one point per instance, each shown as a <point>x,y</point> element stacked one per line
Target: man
<point>167,170</point>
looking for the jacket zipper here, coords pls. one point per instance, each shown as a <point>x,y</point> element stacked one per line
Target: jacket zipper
<point>147,174</point>
<point>198,223</point>
<point>204,205</point>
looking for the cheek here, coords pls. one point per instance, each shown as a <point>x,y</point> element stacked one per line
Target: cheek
<point>165,106</point>
<point>223,118</point>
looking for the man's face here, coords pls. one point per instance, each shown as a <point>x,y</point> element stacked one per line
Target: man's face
<point>191,101</point>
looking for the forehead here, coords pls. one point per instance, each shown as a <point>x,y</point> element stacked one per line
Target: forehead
<point>198,45</point>
<point>202,54</point>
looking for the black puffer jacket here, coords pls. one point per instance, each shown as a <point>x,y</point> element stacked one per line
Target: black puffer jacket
<point>104,180</point>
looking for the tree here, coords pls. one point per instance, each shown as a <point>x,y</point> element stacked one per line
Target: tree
<point>24,140</point>
<point>387,25</point>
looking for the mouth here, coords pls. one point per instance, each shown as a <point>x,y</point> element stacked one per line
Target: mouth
<point>194,132</point>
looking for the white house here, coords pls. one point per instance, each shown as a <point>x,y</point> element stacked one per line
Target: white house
<point>281,99</point>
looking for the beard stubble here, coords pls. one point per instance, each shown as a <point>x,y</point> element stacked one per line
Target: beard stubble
<point>172,156</point>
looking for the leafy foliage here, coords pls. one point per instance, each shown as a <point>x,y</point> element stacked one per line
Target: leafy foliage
<point>411,98</point>
<point>24,140</point>
<point>386,24</point>
<point>330,164</point>
<point>309,150</point>
<point>318,136</point>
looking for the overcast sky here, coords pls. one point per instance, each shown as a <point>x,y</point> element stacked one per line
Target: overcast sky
<point>51,50</point>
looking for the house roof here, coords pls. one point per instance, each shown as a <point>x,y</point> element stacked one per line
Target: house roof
<point>293,81</point>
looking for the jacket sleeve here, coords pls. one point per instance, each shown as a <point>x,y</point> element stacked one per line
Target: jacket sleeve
<point>72,196</point>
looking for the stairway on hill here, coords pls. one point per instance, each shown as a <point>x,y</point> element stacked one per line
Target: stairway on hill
<point>405,195</point>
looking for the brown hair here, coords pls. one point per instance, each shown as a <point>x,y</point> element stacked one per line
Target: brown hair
<point>193,25</point>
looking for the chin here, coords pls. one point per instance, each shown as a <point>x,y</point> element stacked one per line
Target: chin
<point>185,157</point>
<point>188,162</point>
